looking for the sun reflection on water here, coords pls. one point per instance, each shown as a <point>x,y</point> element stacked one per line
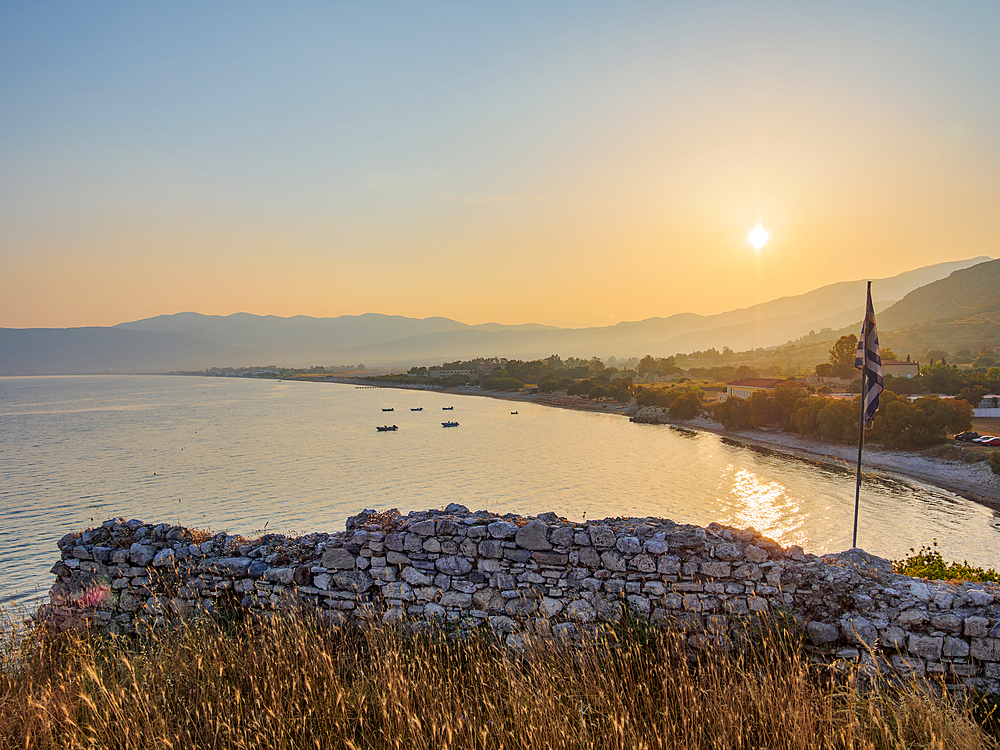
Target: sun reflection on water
<point>766,506</point>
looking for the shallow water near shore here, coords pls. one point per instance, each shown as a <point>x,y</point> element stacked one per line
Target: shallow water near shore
<point>250,455</point>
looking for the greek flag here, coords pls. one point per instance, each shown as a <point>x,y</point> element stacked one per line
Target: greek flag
<point>869,361</point>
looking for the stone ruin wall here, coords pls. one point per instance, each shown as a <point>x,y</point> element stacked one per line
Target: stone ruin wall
<point>542,575</point>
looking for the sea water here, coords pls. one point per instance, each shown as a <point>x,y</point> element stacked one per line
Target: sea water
<point>246,456</point>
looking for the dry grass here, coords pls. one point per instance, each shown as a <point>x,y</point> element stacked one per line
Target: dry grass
<point>292,681</point>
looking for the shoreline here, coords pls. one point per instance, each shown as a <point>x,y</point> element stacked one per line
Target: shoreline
<point>974,482</point>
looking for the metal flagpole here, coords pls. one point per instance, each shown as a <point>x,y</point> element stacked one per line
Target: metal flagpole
<point>861,442</point>
<point>861,420</point>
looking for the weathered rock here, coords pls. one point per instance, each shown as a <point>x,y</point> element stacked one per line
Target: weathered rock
<point>164,557</point>
<point>979,598</point>
<point>949,622</point>
<point>550,558</point>
<point>415,578</point>
<point>893,638</point>
<point>491,548</point>
<point>602,537</point>
<point>227,566</point>
<point>716,569</point>
<point>141,554</point>
<point>977,626</point>
<point>728,552</point>
<point>986,649</point>
<point>353,580</point>
<point>563,536</point>
<point>639,605</point>
<point>400,590</point>
<point>822,633</point>
<point>453,565</point>
<point>338,558</point>
<point>488,600</point>
<point>280,575</point>
<point>423,528</point>
<point>955,648</point>
<point>859,630</point>
<point>502,624</point>
<point>925,646</point>
<point>643,563</point>
<point>581,611</point>
<point>502,529</point>
<point>628,545</point>
<point>920,591</point>
<point>590,557</point>
<point>302,576</point>
<point>613,560</point>
<point>456,599</point>
<point>434,612</point>
<point>534,536</point>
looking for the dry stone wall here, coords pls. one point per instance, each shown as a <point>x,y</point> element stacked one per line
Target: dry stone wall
<point>537,575</point>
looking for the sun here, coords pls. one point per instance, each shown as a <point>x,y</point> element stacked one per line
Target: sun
<point>758,237</point>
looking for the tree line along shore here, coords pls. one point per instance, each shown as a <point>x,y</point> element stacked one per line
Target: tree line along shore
<point>916,414</point>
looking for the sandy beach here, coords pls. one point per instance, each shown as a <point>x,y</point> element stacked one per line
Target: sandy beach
<point>975,482</point>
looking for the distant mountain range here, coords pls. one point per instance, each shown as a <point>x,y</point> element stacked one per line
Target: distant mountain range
<point>927,303</point>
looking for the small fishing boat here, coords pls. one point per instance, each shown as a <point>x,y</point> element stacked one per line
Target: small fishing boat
<point>390,409</point>
<point>419,408</point>
<point>449,424</point>
<point>447,408</point>
<point>387,428</point>
<point>513,412</point>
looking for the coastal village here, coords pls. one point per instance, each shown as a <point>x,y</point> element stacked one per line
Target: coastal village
<point>500,375</point>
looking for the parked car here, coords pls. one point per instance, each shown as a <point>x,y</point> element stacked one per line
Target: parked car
<point>983,438</point>
<point>967,437</point>
<point>992,442</point>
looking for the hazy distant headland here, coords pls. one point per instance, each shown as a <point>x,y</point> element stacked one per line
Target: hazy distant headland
<point>946,305</point>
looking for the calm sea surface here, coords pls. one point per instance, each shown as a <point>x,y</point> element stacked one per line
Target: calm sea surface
<point>241,455</point>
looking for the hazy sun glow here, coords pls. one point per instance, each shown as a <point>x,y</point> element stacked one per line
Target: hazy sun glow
<point>758,237</point>
<point>343,158</point>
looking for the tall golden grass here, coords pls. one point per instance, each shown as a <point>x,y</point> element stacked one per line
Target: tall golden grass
<point>293,681</point>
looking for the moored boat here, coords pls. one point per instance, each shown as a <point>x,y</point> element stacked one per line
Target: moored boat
<point>390,409</point>
<point>387,428</point>
<point>449,424</point>
<point>447,408</point>
<point>419,408</point>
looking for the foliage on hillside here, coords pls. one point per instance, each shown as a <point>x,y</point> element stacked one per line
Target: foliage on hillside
<point>898,423</point>
<point>962,296</point>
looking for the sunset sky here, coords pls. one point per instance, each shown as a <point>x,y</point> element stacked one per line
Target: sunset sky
<point>572,163</point>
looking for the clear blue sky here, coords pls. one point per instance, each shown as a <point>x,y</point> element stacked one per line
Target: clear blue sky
<point>555,161</point>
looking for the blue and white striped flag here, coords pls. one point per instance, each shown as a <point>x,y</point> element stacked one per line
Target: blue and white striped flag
<point>869,361</point>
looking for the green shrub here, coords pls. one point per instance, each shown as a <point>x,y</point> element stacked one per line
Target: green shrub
<point>995,462</point>
<point>928,563</point>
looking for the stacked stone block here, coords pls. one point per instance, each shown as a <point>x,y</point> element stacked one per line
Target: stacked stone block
<point>540,575</point>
